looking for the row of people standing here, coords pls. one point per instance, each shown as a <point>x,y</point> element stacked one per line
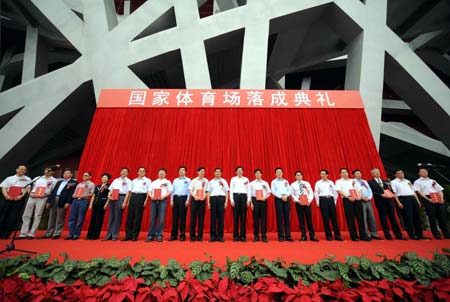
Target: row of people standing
<point>356,197</point>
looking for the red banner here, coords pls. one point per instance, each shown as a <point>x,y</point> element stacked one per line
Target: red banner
<point>239,98</point>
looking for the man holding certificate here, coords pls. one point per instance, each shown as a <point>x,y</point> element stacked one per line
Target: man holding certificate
<point>260,191</point>
<point>352,205</point>
<point>432,197</point>
<point>303,195</point>
<point>217,198</point>
<point>118,195</point>
<point>80,204</point>
<point>197,190</point>
<point>160,189</point>
<point>384,201</point>
<point>281,190</point>
<point>14,188</point>
<point>41,190</point>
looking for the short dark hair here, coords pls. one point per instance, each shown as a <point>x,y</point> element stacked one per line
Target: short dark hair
<point>162,169</point>
<point>68,170</point>
<point>125,168</point>
<point>141,167</point>
<point>278,168</point>
<point>324,170</point>
<point>21,166</point>
<point>182,167</point>
<point>356,170</point>
<point>239,167</point>
<point>298,171</point>
<point>218,169</point>
<point>200,168</point>
<point>107,175</point>
<point>257,170</point>
<point>397,170</point>
<point>341,169</point>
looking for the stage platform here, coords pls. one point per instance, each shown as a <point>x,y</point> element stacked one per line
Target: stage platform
<point>185,252</point>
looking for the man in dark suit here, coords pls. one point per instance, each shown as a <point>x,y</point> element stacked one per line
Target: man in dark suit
<point>58,203</point>
<point>385,205</point>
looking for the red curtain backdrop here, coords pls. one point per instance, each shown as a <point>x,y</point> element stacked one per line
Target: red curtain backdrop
<point>293,139</point>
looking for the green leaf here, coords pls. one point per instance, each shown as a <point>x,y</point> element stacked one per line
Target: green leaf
<point>69,265</point>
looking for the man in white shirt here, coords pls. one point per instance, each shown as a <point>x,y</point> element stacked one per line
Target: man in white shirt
<point>179,203</point>
<point>352,206</point>
<point>425,187</point>
<point>365,195</point>
<point>160,189</point>
<point>406,195</point>
<point>303,195</point>
<point>140,187</point>
<point>281,190</point>
<point>217,198</point>
<point>197,190</point>
<point>36,203</point>
<point>83,193</point>
<point>260,192</point>
<point>12,205</point>
<point>122,186</point>
<point>239,200</point>
<point>326,198</point>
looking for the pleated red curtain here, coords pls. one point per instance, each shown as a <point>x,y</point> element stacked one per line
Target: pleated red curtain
<point>293,139</point>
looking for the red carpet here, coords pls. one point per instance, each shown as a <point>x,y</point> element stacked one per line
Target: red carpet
<point>186,252</point>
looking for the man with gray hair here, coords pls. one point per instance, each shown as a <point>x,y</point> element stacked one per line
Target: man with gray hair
<point>385,205</point>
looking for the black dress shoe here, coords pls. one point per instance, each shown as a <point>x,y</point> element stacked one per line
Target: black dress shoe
<point>182,238</point>
<point>377,238</point>
<point>45,237</point>
<point>159,239</point>
<point>21,238</point>
<point>243,240</point>
<point>114,239</point>
<point>221,240</point>
<point>211,240</point>
<point>75,238</point>
<point>401,238</point>
<point>106,239</point>
<point>366,239</point>
<point>192,239</point>
<point>30,237</point>
<point>126,239</point>
<point>438,237</point>
<point>68,238</point>
<point>235,239</point>
<point>134,239</point>
<point>355,239</point>
<point>281,239</point>
<point>314,239</point>
<point>329,239</point>
<point>290,239</point>
<point>256,239</point>
<point>172,238</point>
<point>388,237</point>
<point>424,237</point>
<point>56,237</point>
<point>265,240</point>
<point>339,238</point>
<point>303,238</point>
<point>199,239</point>
<point>414,237</point>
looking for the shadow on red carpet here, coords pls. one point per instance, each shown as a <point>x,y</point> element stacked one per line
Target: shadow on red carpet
<point>185,252</point>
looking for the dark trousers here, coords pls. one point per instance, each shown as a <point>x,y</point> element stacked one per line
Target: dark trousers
<point>411,216</point>
<point>77,215</point>
<point>197,217</point>
<point>157,216</point>
<point>386,211</point>
<point>282,209</point>
<point>328,211</point>
<point>217,217</point>
<point>437,214</point>
<point>134,215</point>
<point>179,211</point>
<point>96,224</point>
<point>354,210</point>
<point>9,214</point>
<point>304,213</point>
<point>240,216</point>
<point>259,218</point>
